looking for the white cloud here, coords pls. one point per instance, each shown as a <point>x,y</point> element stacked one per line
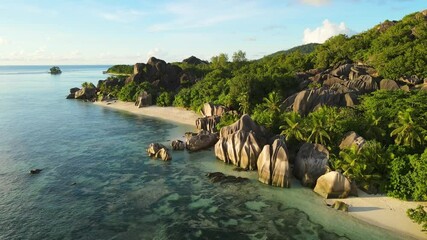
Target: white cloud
<point>323,33</point>
<point>3,41</point>
<point>155,52</point>
<point>315,2</point>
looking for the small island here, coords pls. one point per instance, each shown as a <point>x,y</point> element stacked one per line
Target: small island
<point>55,70</point>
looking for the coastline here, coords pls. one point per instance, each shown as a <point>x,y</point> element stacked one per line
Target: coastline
<point>173,114</point>
<point>385,212</point>
<point>379,210</point>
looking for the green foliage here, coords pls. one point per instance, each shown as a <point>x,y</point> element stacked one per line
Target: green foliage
<point>394,49</point>
<point>239,56</point>
<point>55,70</point>
<point>407,132</point>
<point>408,174</point>
<point>418,215</point>
<point>268,112</point>
<point>293,127</point>
<point>220,61</point>
<point>129,92</point>
<point>121,69</point>
<point>164,99</point>
<point>227,119</point>
<point>88,85</point>
<point>367,166</point>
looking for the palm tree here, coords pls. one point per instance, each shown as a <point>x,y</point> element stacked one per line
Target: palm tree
<point>407,132</point>
<point>293,127</point>
<point>316,128</point>
<point>272,102</point>
<point>374,131</point>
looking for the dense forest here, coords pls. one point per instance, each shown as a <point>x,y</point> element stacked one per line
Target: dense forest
<point>392,120</point>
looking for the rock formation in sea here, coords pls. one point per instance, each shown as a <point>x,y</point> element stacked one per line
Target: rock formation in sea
<point>201,140</point>
<point>158,150</point>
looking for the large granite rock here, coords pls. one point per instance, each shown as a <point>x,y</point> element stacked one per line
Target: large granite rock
<point>311,163</point>
<point>240,143</point>
<point>210,109</point>
<point>387,84</point>
<point>352,139</point>
<point>144,99</point>
<point>273,165</point>
<point>309,100</point>
<point>333,185</point>
<point>85,93</point>
<point>158,150</point>
<point>208,123</point>
<point>362,84</point>
<point>342,71</point>
<point>412,80</point>
<point>202,140</point>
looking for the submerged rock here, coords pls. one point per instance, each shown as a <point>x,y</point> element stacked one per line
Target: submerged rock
<point>340,206</point>
<point>157,150</point>
<point>216,177</point>
<point>273,165</point>
<point>35,171</point>
<point>333,185</point>
<point>311,163</point>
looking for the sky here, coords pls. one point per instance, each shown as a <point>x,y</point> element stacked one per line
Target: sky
<point>125,32</point>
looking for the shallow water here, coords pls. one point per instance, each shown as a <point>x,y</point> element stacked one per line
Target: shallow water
<point>98,183</point>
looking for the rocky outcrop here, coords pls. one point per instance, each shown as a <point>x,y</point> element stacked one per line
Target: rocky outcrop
<point>218,177</point>
<point>342,71</point>
<point>333,185</point>
<point>352,139</point>
<point>340,206</point>
<point>311,163</point>
<point>362,84</point>
<point>72,93</point>
<point>387,84</point>
<point>158,150</point>
<point>309,100</point>
<point>178,145</point>
<point>144,99</point>
<point>35,171</point>
<point>273,165</point>
<point>241,143</point>
<point>194,61</point>
<point>210,109</point>
<point>412,80</point>
<point>208,123</point>
<point>85,93</point>
<point>202,140</point>
<point>157,72</point>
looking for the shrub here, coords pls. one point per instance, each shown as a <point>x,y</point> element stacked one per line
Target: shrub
<point>164,99</point>
<point>418,215</point>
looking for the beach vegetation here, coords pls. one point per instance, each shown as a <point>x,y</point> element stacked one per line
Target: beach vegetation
<point>164,99</point>
<point>418,215</point>
<point>121,69</point>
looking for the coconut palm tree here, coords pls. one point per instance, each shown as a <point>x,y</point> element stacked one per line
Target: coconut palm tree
<point>293,127</point>
<point>316,128</point>
<point>406,131</point>
<point>272,102</point>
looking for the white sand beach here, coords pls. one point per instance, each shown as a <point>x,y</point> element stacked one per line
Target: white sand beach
<point>386,212</point>
<point>173,114</point>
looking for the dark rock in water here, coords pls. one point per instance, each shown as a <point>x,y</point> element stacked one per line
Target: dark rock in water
<point>35,171</point>
<point>202,140</point>
<point>157,150</point>
<point>216,177</point>
<point>239,169</point>
<point>341,206</point>
<point>178,145</point>
<point>85,93</point>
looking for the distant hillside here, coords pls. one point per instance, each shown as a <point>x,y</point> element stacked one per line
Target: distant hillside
<point>394,48</point>
<point>305,49</point>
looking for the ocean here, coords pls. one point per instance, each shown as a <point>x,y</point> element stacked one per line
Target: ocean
<point>97,181</point>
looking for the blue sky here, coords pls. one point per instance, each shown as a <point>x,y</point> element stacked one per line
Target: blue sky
<point>114,32</point>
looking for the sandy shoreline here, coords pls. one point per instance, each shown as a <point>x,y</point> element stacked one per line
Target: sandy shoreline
<point>172,114</point>
<point>385,212</point>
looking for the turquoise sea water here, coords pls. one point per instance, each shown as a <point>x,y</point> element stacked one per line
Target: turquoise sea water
<point>98,183</point>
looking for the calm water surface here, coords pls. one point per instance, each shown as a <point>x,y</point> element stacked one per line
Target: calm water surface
<point>98,183</point>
